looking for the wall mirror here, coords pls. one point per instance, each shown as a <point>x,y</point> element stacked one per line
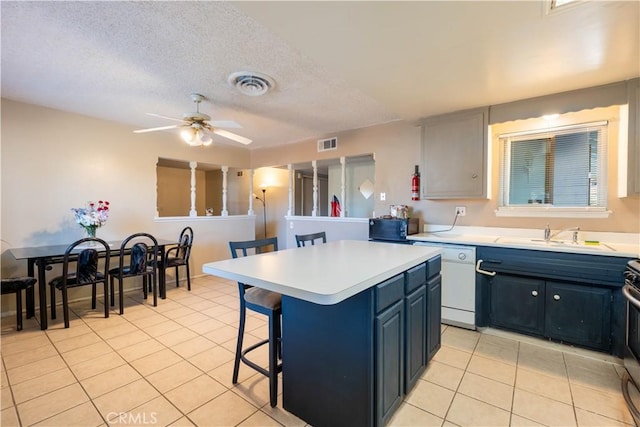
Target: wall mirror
<point>349,179</point>
<point>174,189</point>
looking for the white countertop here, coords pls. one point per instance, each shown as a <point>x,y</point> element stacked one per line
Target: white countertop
<point>323,274</point>
<point>610,244</point>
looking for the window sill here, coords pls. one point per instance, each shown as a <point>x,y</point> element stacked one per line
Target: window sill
<point>551,212</point>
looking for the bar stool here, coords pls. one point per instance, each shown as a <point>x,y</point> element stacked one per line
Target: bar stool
<point>16,285</point>
<point>264,302</point>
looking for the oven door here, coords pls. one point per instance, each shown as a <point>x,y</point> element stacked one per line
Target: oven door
<point>631,379</point>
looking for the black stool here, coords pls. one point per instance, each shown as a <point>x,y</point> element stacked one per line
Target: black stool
<point>16,285</point>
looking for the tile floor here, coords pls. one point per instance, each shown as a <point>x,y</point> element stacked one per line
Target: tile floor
<point>171,365</point>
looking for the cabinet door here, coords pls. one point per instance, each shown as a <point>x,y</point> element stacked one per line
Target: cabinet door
<point>517,303</point>
<point>578,314</point>
<point>434,315</point>
<point>416,336</point>
<point>454,151</point>
<point>389,361</point>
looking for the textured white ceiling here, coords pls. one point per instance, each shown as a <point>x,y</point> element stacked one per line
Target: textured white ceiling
<point>337,65</point>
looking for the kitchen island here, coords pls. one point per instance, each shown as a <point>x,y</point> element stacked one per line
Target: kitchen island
<point>359,322</point>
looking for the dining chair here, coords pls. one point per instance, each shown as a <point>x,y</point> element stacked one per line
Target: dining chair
<point>87,272</point>
<point>302,239</point>
<point>264,302</point>
<point>143,255</point>
<point>179,255</point>
<point>15,285</point>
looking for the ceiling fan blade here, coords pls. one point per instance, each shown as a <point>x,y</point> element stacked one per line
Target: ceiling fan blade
<point>155,129</point>
<point>229,124</point>
<point>232,136</point>
<point>164,117</point>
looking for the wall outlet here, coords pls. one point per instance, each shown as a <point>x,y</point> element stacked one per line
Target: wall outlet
<point>461,210</point>
<point>383,197</point>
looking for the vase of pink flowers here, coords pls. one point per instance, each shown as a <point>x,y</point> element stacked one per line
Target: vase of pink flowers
<point>92,216</point>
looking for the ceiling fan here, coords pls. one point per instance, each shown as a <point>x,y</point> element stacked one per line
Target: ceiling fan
<point>196,126</point>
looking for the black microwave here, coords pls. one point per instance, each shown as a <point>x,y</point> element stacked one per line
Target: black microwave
<point>393,229</point>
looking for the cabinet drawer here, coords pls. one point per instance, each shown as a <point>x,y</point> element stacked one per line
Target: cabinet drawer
<point>434,265</point>
<point>389,292</point>
<point>416,277</point>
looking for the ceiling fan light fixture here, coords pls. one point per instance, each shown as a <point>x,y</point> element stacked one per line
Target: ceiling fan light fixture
<point>251,83</point>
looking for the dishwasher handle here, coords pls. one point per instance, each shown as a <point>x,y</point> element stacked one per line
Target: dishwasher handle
<point>485,272</point>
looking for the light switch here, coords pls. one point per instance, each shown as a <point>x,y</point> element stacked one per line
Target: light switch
<point>383,197</point>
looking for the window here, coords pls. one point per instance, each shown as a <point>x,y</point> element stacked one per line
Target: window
<point>560,169</point>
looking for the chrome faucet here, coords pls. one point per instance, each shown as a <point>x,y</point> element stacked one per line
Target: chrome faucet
<point>548,235</point>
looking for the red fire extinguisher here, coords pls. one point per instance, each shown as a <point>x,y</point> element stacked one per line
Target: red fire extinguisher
<point>415,185</point>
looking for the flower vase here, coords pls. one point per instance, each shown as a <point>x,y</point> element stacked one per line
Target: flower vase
<point>91,231</point>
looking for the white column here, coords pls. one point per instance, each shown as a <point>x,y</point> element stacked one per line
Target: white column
<point>193,211</point>
<point>290,210</point>
<point>250,212</point>
<point>314,211</point>
<point>343,186</point>
<point>224,212</point>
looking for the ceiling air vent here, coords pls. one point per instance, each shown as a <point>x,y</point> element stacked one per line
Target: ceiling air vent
<point>251,83</point>
<point>327,144</point>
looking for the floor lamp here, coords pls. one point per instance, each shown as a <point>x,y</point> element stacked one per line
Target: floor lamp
<point>264,210</point>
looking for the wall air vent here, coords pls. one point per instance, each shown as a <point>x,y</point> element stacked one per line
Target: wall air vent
<point>327,144</point>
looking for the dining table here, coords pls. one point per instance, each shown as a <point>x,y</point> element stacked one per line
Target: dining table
<point>43,257</point>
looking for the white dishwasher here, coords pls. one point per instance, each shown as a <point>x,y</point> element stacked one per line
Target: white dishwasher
<point>458,284</point>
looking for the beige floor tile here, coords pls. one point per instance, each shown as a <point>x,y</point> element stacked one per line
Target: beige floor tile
<point>230,318</point>
<point>593,373</point>
<point>173,376</point>
<point>497,348</point>
<point>43,407</point>
<point>178,312</point>
<point>224,373</point>
<point>125,398</point>
<point>110,380</point>
<point>453,357</point>
<point>206,326</point>
<point>149,321</point>
<point>23,358</point>
<point>162,328</point>
<point>126,340</point>
<point>195,393</point>
<point>84,354</point>
<point>255,390</point>
<point>123,328</point>
<point>99,322</point>
<point>42,385</point>
<point>176,337</point>
<point>96,366</point>
<point>225,410</point>
<point>60,333</point>
<point>590,419</point>
<point>79,341</point>
<point>486,390</point>
<point>182,422</point>
<point>518,421</point>
<point>159,412</point>
<point>212,358</point>
<point>461,339</point>
<point>201,305</point>
<point>6,399</point>
<point>283,417</point>
<point>490,368</point>
<point>543,360</point>
<point>259,419</point>
<point>9,417</point>
<point>409,416</point>
<point>223,334</point>
<point>610,405</point>
<point>167,305</point>
<point>140,350</point>
<point>430,397</point>
<point>82,415</point>
<point>35,369</point>
<point>19,346</point>
<point>443,375</point>
<point>543,410</point>
<point>193,346</point>
<point>466,411</point>
<point>192,319</point>
<point>147,365</point>
<point>217,310</point>
<point>4,380</point>
<point>553,387</point>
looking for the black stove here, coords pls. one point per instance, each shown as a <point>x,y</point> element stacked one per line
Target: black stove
<point>631,291</point>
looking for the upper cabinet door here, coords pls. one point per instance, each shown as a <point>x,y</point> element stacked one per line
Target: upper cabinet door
<point>454,155</point>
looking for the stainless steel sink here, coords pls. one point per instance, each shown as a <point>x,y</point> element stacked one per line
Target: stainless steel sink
<point>553,243</point>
